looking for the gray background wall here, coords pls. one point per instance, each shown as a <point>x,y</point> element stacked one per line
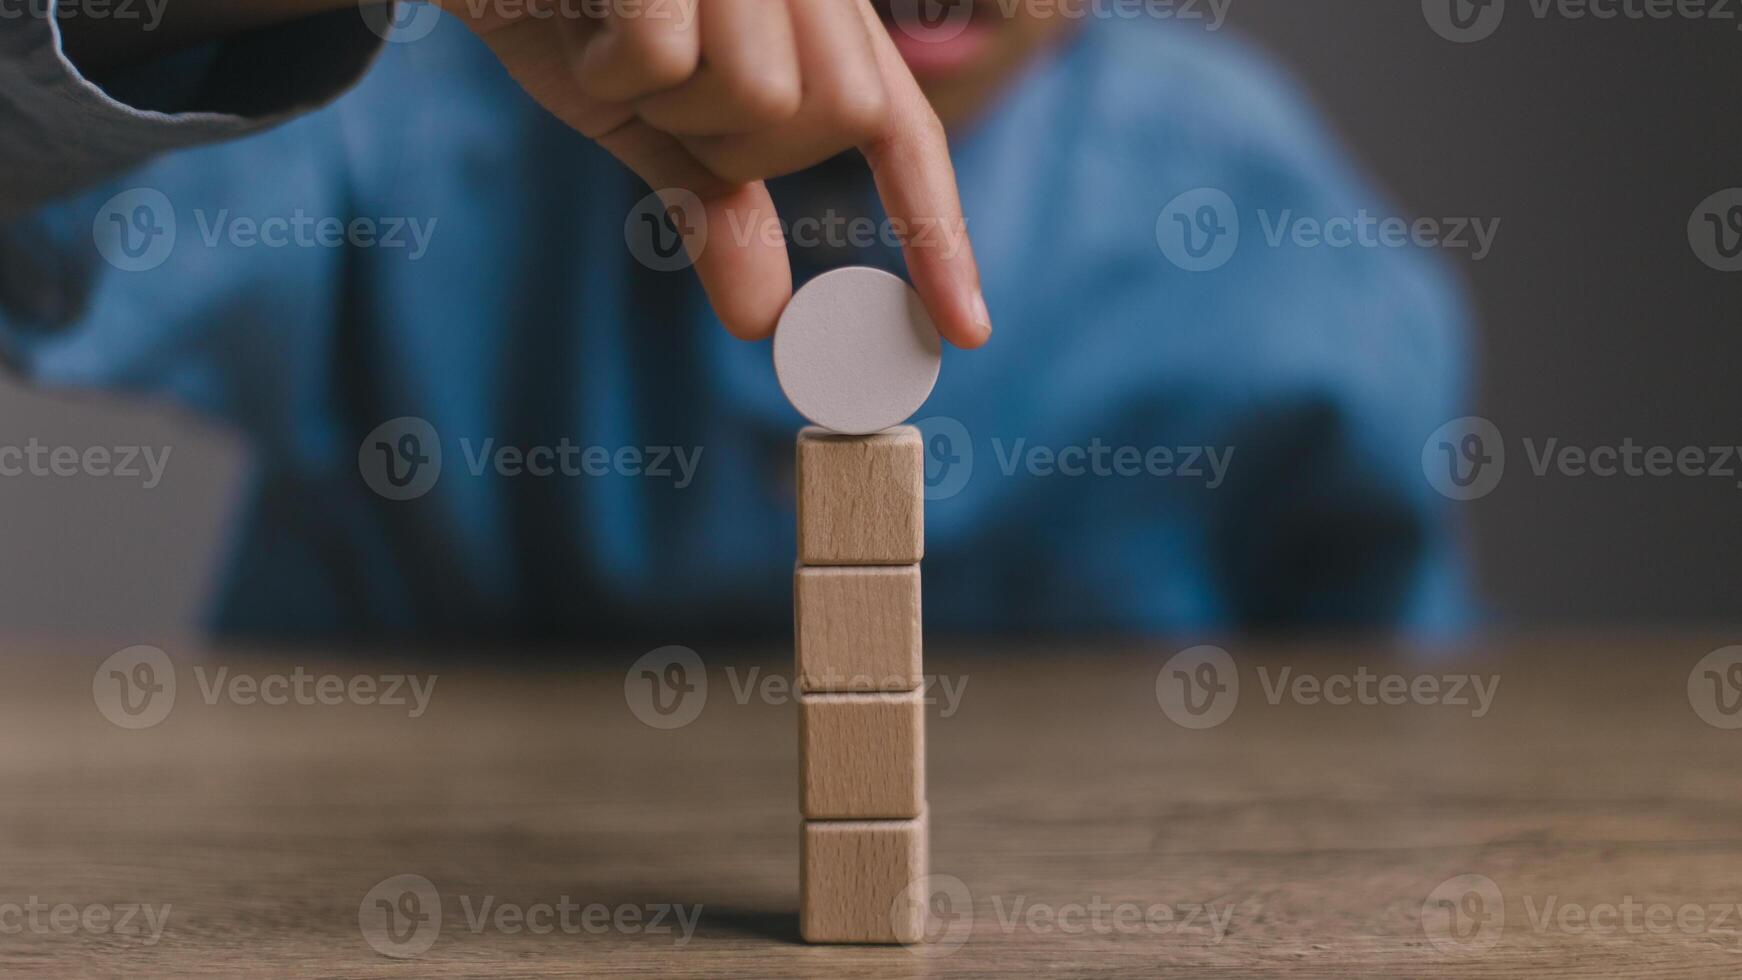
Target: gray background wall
<point>1592,142</point>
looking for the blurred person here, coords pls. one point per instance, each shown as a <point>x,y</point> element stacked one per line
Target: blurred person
<point>374,240</point>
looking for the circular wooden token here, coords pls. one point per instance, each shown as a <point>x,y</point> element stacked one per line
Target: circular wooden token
<point>856,352</point>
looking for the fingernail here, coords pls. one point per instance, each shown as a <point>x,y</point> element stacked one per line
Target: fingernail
<point>982,316</point>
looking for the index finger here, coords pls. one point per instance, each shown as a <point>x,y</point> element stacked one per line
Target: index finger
<point>910,160</point>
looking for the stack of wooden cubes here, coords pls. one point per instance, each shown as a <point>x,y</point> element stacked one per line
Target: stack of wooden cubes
<point>856,605</point>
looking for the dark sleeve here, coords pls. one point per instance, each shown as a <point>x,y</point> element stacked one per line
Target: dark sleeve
<point>62,129</point>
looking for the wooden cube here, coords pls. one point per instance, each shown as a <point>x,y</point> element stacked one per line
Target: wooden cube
<point>861,499</point>
<point>861,756</point>
<point>855,878</point>
<point>857,629</point>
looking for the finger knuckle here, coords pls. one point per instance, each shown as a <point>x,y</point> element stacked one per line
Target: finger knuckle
<point>664,59</point>
<point>766,97</point>
<point>861,111</point>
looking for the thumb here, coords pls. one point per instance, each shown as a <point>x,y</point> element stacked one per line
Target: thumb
<point>735,241</point>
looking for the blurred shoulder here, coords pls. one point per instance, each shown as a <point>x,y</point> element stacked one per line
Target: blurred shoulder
<point>1183,86</point>
<point>1076,190</point>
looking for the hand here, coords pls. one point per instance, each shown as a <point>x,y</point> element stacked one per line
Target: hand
<point>715,96</point>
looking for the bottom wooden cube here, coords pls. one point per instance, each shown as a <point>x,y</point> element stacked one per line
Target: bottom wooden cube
<point>855,878</point>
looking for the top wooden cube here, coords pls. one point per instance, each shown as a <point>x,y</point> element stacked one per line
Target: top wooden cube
<point>861,499</point>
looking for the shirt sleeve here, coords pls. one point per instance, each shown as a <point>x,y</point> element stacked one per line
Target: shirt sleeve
<point>63,129</point>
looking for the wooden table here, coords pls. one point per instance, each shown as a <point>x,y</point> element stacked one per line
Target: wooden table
<point>1093,835</point>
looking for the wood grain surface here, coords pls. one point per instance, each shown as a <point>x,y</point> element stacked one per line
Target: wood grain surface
<point>861,499</point>
<point>861,756</point>
<point>1583,817</point>
<point>857,881</point>
<point>857,628</point>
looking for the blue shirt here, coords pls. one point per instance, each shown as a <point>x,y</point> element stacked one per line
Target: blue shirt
<point>1142,447</point>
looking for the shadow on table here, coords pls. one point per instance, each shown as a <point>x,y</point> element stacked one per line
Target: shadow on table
<point>777,926</point>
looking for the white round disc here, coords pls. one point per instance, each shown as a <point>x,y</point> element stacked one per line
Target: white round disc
<point>856,352</point>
